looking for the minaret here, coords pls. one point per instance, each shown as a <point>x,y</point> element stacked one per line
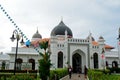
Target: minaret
<point>102,58</point>
<point>90,62</point>
<point>119,45</point>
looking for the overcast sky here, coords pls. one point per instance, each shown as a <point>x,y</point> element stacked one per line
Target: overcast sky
<point>100,17</point>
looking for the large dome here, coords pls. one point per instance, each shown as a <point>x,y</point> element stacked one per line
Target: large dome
<point>36,35</point>
<point>60,30</point>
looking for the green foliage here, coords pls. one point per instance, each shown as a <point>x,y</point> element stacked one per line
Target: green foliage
<point>59,73</point>
<point>44,63</point>
<point>44,68</point>
<point>99,75</point>
<point>22,77</point>
<point>114,69</point>
<point>19,77</point>
<point>43,45</point>
<point>8,74</point>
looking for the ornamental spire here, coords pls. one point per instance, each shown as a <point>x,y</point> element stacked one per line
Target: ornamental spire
<point>37,30</point>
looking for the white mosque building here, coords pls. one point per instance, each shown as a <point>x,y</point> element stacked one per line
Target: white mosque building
<point>65,49</point>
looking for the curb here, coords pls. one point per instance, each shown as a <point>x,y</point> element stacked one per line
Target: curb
<point>63,78</point>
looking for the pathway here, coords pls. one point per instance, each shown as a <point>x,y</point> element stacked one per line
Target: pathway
<point>74,77</point>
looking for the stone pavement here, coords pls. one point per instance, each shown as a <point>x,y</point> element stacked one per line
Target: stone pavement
<point>74,77</point>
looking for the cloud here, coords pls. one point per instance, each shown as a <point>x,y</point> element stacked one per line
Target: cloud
<point>81,16</point>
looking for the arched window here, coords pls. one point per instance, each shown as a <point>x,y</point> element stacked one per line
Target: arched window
<point>95,57</point>
<point>33,63</point>
<point>3,65</point>
<point>18,63</point>
<point>60,60</point>
<point>107,64</point>
<point>114,64</point>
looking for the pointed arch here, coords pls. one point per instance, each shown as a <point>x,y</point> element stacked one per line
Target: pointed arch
<point>19,63</point>
<point>77,63</point>
<point>95,60</point>
<point>32,61</point>
<point>60,59</point>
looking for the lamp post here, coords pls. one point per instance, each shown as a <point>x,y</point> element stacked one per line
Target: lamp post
<point>15,32</point>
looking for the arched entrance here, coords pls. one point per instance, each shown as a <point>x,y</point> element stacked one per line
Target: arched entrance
<point>33,63</point>
<point>76,62</point>
<point>60,60</point>
<point>95,57</point>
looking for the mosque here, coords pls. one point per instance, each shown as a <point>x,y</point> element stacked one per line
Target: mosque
<point>65,49</point>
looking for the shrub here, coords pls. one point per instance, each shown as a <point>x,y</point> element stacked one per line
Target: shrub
<point>114,69</point>
<point>59,73</point>
<point>22,77</point>
<point>99,75</point>
<point>6,74</point>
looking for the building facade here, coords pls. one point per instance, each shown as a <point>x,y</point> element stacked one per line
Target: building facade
<point>67,50</point>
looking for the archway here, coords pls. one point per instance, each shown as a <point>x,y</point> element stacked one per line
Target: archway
<point>33,63</point>
<point>60,60</point>
<point>19,63</point>
<point>95,57</point>
<point>76,62</point>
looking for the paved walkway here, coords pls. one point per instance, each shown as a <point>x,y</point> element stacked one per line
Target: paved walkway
<point>74,77</point>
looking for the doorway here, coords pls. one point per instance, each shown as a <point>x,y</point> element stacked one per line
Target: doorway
<point>77,63</point>
<point>95,55</point>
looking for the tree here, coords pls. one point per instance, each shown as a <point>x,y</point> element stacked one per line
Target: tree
<point>44,63</point>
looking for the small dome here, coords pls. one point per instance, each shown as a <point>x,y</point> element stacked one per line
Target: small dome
<point>60,30</point>
<point>101,37</point>
<point>37,35</point>
<point>91,37</point>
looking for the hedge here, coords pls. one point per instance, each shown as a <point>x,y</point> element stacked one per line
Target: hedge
<point>59,73</point>
<point>101,75</point>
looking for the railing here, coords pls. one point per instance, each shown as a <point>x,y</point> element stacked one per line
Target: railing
<point>84,41</point>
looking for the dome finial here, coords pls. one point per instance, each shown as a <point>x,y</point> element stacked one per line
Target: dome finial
<point>37,35</point>
<point>37,30</point>
<point>61,18</point>
<point>90,32</point>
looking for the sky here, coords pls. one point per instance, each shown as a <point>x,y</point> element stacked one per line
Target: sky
<point>100,17</point>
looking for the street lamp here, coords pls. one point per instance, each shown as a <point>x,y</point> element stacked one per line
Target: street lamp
<point>17,37</point>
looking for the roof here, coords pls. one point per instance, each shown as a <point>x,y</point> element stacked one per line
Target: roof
<point>37,35</point>
<point>60,30</point>
<point>95,43</point>
<point>35,43</point>
<point>106,45</point>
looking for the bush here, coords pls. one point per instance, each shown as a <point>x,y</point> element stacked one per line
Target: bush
<point>115,69</point>
<point>9,73</point>
<point>99,75</point>
<point>22,77</point>
<point>59,73</point>
<point>94,74</point>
